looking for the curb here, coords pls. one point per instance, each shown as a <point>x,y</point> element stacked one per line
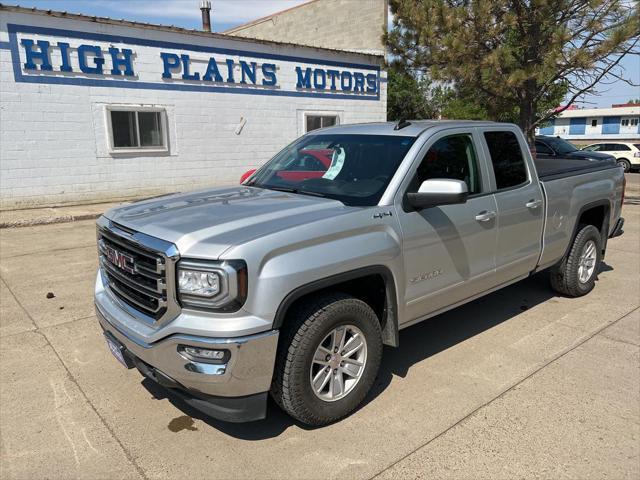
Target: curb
<point>48,220</point>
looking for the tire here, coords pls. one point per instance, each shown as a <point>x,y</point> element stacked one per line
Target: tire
<point>624,163</point>
<point>307,326</point>
<point>572,276</point>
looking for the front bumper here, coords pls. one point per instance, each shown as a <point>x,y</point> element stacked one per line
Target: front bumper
<point>235,390</point>
<point>229,409</point>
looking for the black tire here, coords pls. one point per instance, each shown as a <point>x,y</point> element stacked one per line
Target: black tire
<point>625,164</point>
<point>305,328</point>
<point>564,276</point>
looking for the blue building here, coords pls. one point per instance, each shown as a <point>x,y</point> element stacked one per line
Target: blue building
<point>596,124</point>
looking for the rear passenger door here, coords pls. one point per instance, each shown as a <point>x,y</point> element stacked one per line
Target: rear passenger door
<point>519,201</point>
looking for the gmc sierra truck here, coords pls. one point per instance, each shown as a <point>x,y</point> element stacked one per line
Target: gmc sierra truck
<point>290,285</point>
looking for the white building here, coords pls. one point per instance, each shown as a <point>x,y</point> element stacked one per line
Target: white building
<point>96,109</point>
<point>596,124</point>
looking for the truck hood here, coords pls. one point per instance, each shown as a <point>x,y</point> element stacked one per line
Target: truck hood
<point>217,219</point>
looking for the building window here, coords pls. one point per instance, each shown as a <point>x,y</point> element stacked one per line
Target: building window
<point>594,122</point>
<point>137,129</point>
<point>626,122</point>
<point>313,122</point>
<point>634,122</point>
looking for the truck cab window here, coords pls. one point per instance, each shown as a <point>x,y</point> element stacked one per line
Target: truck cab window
<point>542,149</point>
<point>451,157</point>
<point>506,157</point>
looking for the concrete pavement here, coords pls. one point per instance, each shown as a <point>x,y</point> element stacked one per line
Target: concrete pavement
<point>520,383</point>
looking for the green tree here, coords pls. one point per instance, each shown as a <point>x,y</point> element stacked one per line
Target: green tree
<point>407,95</point>
<point>516,58</point>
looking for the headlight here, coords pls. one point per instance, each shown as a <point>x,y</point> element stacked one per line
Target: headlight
<point>212,285</point>
<point>202,284</point>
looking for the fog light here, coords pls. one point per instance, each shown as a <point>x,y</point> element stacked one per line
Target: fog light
<point>198,353</point>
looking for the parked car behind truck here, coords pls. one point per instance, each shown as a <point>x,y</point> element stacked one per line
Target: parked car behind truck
<point>627,154</point>
<point>291,287</point>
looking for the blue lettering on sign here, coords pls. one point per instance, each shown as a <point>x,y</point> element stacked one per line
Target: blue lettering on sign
<point>269,74</point>
<point>118,62</point>
<point>304,81</point>
<point>248,70</point>
<point>212,74</point>
<point>319,79</point>
<point>245,76</point>
<point>333,74</point>
<point>83,52</point>
<point>170,61</point>
<point>346,85</point>
<point>230,65</point>
<point>64,54</point>
<point>42,55</point>
<point>185,69</point>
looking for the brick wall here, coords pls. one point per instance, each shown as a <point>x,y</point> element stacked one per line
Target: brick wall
<point>54,138</point>
<point>355,25</point>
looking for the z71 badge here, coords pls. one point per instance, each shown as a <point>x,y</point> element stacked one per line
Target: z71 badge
<point>426,276</point>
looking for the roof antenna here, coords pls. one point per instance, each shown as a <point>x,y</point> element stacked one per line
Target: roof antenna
<point>401,124</point>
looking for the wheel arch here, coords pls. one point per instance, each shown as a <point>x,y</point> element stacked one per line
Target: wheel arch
<point>347,282</point>
<point>594,213</point>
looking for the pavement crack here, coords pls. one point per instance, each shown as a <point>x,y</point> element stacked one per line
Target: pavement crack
<point>38,331</point>
<point>54,250</point>
<point>504,392</point>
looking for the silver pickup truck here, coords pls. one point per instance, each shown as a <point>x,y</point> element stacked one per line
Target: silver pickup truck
<point>291,283</point>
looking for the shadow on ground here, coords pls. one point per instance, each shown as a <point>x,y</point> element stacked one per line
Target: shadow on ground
<point>417,343</point>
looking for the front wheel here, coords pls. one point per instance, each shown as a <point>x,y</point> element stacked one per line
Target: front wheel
<point>576,274</point>
<point>624,163</point>
<point>328,358</point>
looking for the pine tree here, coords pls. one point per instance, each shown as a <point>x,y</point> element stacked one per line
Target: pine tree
<point>518,57</point>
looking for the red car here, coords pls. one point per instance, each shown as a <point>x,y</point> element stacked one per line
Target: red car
<point>308,164</point>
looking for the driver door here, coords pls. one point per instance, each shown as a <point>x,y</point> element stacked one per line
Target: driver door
<point>450,250</point>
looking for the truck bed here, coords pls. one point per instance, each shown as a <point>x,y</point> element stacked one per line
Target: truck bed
<point>553,168</point>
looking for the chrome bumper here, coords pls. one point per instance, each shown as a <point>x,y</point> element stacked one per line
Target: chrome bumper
<point>248,370</point>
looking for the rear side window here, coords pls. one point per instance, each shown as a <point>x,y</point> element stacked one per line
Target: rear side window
<point>622,148</point>
<point>506,157</point>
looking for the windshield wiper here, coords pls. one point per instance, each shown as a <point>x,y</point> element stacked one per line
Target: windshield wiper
<point>313,194</point>
<point>295,190</point>
<point>281,189</point>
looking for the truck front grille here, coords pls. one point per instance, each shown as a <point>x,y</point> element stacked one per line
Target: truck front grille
<point>135,273</point>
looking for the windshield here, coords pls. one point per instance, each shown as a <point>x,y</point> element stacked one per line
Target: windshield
<point>560,146</point>
<point>354,169</point>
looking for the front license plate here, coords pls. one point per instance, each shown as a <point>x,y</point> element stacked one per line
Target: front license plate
<point>116,349</point>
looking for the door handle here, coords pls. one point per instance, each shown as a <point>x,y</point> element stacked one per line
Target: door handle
<point>533,204</point>
<point>485,216</point>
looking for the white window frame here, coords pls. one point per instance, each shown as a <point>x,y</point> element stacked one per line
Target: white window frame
<point>320,114</point>
<point>137,108</point>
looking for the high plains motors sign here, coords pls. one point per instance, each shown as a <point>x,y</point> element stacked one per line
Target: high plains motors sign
<point>54,56</point>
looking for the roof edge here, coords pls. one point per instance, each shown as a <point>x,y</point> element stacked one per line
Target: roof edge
<point>265,18</point>
<point>374,58</point>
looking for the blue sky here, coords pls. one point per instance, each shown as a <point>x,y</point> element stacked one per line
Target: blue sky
<point>229,13</point>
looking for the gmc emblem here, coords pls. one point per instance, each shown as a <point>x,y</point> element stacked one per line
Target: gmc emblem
<point>121,260</point>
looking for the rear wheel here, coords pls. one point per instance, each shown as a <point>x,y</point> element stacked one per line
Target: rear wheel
<point>624,163</point>
<point>576,274</point>
<point>328,358</point>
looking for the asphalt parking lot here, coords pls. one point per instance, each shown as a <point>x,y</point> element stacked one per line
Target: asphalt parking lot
<point>521,383</point>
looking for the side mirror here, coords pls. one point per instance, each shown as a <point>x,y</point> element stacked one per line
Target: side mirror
<point>438,192</point>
